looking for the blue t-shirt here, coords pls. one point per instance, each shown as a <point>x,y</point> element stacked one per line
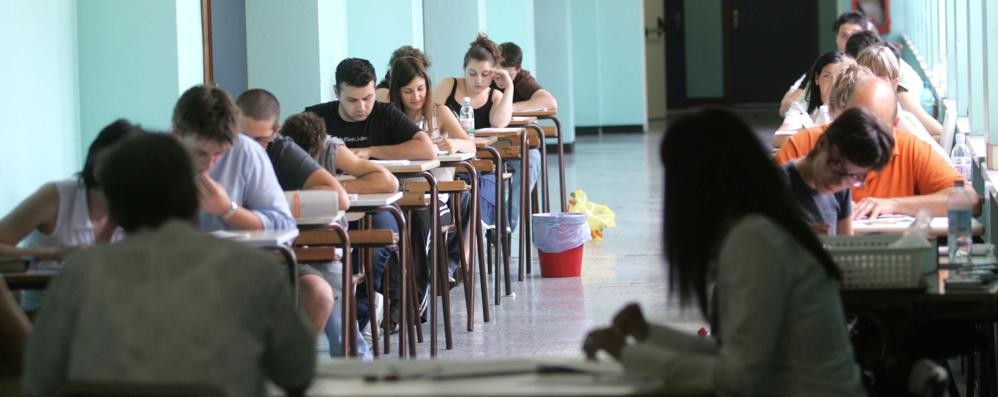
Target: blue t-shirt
<point>818,208</point>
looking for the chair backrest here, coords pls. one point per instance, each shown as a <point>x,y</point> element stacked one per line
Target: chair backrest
<point>135,389</point>
<point>949,124</point>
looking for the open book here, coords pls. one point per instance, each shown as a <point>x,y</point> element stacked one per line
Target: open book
<point>313,207</point>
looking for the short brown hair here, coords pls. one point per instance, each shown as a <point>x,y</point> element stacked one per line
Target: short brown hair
<point>206,112</point>
<point>259,104</point>
<point>307,130</point>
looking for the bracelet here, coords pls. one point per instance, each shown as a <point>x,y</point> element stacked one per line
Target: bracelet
<point>232,211</point>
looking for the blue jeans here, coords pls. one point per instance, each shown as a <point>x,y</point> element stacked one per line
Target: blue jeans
<point>382,220</point>
<point>334,327</point>
<point>516,167</point>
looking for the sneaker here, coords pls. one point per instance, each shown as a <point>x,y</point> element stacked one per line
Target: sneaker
<point>378,309</point>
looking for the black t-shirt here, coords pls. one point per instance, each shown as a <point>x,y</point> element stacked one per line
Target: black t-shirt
<point>386,125</point>
<point>818,208</point>
<point>291,163</point>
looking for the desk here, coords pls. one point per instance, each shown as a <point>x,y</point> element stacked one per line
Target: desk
<point>892,315</point>
<point>472,377</point>
<point>25,280</point>
<point>525,211</point>
<point>483,141</point>
<point>520,121</point>
<point>421,168</point>
<point>938,227</point>
<point>277,240</point>
<point>551,115</point>
<point>409,167</point>
<point>445,158</point>
<point>366,200</point>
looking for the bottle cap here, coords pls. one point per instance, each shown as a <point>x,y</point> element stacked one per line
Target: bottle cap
<point>467,99</point>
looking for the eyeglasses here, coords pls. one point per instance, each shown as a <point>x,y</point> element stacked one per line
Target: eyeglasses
<point>839,168</point>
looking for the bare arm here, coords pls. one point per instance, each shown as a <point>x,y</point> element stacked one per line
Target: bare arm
<point>38,211</point>
<point>420,147</point>
<point>323,180</point>
<point>844,227</point>
<point>872,207</point>
<point>540,99</point>
<point>457,139</point>
<point>911,103</point>
<point>371,178</point>
<point>788,99</point>
<point>502,109</point>
<point>14,329</point>
<point>442,91</point>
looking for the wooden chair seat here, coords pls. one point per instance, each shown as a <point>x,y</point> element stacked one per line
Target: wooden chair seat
<point>550,131</point>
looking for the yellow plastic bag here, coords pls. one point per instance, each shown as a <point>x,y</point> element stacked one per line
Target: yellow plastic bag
<point>600,216</point>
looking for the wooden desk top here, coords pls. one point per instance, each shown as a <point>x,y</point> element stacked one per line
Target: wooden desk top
<point>518,121</point>
<point>411,166</point>
<point>535,113</point>
<point>499,132</point>
<point>485,141</point>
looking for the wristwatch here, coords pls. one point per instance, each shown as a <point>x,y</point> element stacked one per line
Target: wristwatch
<point>232,211</point>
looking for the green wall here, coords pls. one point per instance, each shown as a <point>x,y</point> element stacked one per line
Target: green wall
<point>608,62</point>
<point>40,105</point>
<point>376,28</point>
<point>123,73</point>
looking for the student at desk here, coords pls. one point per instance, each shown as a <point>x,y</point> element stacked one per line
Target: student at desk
<point>527,92</point>
<point>493,107</point>
<point>776,316</point>
<point>237,187</point>
<point>813,111</point>
<point>379,130</point>
<point>855,144</point>
<point>63,216</point>
<point>167,304</point>
<point>915,178</point>
<point>406,51</point>
<point>295,169</point>
<point>309,132</point>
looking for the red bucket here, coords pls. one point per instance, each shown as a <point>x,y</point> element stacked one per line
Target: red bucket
<point>562,264</point>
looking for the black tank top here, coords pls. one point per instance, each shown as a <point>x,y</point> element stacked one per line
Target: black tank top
<point>481,114</point>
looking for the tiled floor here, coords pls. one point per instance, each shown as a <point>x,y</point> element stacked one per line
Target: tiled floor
<point>550,316</point>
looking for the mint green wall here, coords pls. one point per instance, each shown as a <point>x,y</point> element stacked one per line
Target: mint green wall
<point>828,11</point>
<point>608,62</point>
<point>40,105</point>
<point>513,20</point>
<point>283,52</point>
<point>449,27</point>
<point>704,49</point>
<point>135,58</point>
<point>554,47</point>
<point>585,62</point>
<point>376,28</point>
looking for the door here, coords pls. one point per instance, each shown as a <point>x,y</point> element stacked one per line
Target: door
<point>675,54</point>
<point>767,45</point>
<point>655,59</point>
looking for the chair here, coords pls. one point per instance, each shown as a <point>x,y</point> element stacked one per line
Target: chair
<point>135,389</point>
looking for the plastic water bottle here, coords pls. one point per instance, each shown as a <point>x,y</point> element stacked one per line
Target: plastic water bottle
<point>960,157</point>
<point>467,117</point>
<point>928,101</point>
<point>959,216</point>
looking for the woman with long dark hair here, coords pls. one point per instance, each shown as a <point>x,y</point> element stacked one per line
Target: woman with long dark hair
<point>739,251</point>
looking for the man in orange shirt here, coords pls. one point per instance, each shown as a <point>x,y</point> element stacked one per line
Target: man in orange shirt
<point>915,178</point>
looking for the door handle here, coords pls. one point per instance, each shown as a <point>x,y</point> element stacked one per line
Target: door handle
<point>734,18</point>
